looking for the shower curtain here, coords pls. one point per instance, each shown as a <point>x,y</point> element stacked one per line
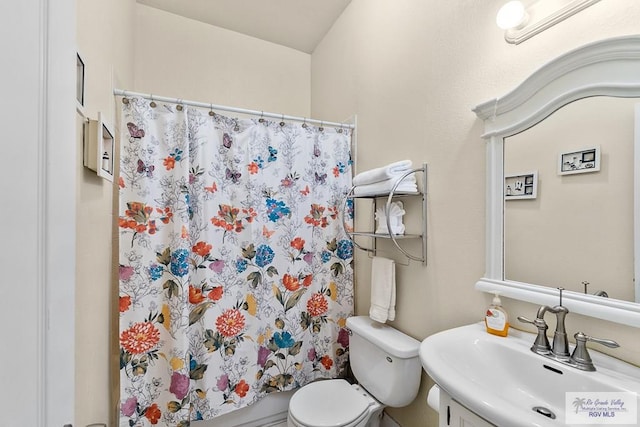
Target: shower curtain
<point>236,276</point>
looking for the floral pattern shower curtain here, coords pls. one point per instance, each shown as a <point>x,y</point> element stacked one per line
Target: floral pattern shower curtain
<point>235,274</point>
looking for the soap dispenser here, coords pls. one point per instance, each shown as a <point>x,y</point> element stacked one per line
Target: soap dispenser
<point>496,318</point>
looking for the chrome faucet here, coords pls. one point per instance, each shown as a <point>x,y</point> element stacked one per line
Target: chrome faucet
<point>600,293</point>
<point>560,347</point>
<point>560,351</point>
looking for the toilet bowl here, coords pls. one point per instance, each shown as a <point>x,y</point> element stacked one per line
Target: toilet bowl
<point>386,364</point>
<point>333,403</point>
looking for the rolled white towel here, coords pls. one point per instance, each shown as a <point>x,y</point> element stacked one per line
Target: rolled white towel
<point>390,171</point>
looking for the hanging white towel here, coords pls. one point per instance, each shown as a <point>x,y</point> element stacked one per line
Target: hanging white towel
<point>407,185</point>
<point>390,171</point>
<point>383,290</point>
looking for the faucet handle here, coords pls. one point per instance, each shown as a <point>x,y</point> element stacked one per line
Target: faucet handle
<point>541,344</point>
<point>580,336</point>
<point>581,357</point>
<point>538,322</point>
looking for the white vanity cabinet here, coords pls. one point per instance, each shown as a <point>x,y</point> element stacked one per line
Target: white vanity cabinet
<point>453,414</point>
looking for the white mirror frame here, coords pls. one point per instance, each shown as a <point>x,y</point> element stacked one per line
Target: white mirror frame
<point>609,67</point>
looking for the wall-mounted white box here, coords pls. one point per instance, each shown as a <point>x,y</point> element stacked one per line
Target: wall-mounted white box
<point>99,147</point>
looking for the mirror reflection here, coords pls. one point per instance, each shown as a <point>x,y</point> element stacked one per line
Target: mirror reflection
<point>569,199</point>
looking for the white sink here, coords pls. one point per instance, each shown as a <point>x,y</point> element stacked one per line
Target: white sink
<point>502,380</point>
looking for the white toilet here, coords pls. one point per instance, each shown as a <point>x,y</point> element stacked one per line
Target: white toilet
<point>386,364</point>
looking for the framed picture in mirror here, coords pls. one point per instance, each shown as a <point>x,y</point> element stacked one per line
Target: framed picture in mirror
<point>580,161</point>
<point>521,186</point>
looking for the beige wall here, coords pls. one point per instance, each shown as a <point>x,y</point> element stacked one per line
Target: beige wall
<point>412,71</point>
<point>183,58</point>
<point>104,37</point>
<point>578,227</point>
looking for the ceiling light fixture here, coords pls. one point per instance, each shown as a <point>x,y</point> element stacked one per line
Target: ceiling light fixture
<point>522,22</point>
<point>511,15</point>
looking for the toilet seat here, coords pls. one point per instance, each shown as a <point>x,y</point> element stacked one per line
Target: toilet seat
<point>329,403</point>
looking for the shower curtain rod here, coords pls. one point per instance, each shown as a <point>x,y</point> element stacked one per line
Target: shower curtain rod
<point>126,93</point>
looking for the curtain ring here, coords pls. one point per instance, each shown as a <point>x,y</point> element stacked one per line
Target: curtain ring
<point>261,119</point>
<point>211,113</point>
<point>125,100</point>
<point>340,130</point>
<point>304,123</point>
<point>179,107</point>
<point>321,128</point>
<point>152,104</point>
<point>282,123</point>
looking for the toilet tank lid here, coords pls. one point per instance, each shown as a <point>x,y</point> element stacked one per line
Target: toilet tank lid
<point>391,340</point>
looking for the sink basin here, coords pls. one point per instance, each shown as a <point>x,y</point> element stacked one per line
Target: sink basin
<point>502,380</point>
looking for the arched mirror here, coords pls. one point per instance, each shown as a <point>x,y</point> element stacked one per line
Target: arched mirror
<point>563,179</point>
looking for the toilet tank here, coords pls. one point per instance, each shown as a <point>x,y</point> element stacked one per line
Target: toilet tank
<point>384,361</point>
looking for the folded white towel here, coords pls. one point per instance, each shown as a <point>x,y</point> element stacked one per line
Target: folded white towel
<point>407,185</point>
<point>383,290</point>
<point>391,171</point>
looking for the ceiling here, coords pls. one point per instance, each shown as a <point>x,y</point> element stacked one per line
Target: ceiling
<point>298,24</point>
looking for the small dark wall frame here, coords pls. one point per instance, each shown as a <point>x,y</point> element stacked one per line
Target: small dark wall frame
<point>79,79</point>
